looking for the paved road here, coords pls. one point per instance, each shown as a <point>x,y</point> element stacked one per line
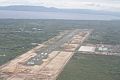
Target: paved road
<point>38,58</point>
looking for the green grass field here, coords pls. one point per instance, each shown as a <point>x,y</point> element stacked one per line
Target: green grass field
<point>92,67</point>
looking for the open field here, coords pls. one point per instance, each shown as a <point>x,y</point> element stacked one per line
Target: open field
<point>92,67</point>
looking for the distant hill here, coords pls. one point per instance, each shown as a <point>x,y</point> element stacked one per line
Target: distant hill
<point>28,8</point>
<point>56,10</point>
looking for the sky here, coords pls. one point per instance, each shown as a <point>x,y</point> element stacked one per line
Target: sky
<point>109,5</point>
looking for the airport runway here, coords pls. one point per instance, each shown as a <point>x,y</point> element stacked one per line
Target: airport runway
<point>42,66</point>
<point>52,47</point>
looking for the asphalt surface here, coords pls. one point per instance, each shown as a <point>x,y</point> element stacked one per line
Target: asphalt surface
<point>43,53</point>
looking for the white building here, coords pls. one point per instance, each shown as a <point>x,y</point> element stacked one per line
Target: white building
<point>87,49</point>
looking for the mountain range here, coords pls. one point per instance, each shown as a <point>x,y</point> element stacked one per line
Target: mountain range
<point>50,11</point>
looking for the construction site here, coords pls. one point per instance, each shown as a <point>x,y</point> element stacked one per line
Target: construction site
<point>47,60</point>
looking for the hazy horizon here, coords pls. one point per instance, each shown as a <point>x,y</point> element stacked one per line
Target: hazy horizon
<point>106,5</point>
<point>80,10</point>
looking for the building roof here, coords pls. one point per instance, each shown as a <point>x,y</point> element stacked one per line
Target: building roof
<point>87,49</point>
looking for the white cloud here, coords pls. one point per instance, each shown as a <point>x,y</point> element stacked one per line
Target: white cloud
<point>113,5</point>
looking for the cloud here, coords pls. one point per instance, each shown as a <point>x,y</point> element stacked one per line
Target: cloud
<point>113,5</point>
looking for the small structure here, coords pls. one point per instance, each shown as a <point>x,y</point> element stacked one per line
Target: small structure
<point>87,49</point>
<point>103,49</point>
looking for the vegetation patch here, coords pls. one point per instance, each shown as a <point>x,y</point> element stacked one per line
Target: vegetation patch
<point>92,67</point>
